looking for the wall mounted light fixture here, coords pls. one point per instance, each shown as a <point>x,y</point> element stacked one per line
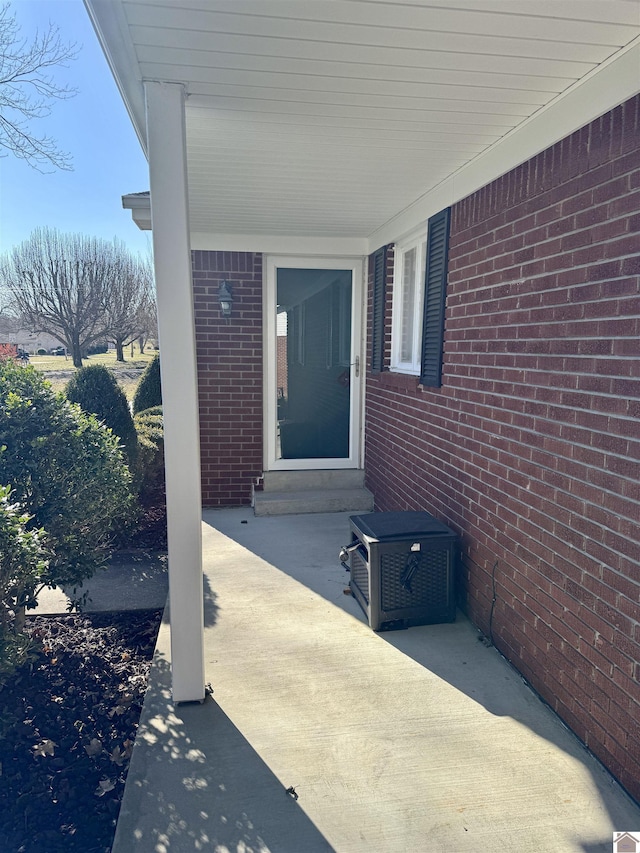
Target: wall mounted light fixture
<point>225,298</point>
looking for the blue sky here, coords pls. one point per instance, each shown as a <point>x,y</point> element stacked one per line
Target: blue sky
<point>94,128</point>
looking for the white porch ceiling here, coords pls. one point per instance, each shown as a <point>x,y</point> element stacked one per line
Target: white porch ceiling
<point>329,118</point>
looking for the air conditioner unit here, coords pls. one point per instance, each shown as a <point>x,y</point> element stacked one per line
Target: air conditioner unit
<point>402,567</point>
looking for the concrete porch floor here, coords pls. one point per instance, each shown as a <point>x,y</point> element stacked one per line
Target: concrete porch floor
<point>417,740</point>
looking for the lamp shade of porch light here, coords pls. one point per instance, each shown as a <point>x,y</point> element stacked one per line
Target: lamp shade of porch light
<point>225,298</point>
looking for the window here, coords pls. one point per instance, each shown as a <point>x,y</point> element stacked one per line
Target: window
<point>419,297</point>
<point>408,288</point>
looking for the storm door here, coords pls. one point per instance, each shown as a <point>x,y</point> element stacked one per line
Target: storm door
<point>314,368</point>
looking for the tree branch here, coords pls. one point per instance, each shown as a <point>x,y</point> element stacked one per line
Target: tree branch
<point>26,86</point>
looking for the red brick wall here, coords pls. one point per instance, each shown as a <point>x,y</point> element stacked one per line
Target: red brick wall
<point>229,375</point>
<point>531,447</point>
<point>282,368</point>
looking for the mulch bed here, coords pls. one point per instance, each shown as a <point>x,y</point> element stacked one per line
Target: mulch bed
<point>68,720</point>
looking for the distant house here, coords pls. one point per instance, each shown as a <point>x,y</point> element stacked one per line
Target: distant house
<point>24,339</point>
<point>440,207</point>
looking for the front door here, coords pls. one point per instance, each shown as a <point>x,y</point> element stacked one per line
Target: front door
<point>313,370</point>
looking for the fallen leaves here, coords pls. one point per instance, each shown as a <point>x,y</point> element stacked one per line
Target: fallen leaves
<point>119,756</point>
<point>45,747</point>
<point>63,755</point>
<point>94,747</point>
<point>104,786</point>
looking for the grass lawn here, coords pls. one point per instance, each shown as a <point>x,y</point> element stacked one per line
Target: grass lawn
<point>59,369</point>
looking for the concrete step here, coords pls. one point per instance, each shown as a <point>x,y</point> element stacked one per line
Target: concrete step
<point>289,481</point>
<point>312,500</point>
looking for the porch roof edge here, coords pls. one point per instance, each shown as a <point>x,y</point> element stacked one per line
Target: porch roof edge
<point>112,30</point>
<point>280,244</point>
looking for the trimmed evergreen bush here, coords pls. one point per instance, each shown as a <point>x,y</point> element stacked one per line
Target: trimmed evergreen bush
<point>149,391</point>
<point>67,472</point>
<point>95,389</point>
<point>150,429</point>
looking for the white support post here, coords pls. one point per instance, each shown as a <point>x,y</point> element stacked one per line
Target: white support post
<point>172,261</point>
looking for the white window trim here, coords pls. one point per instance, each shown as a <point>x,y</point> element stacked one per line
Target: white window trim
<point>417,239</point>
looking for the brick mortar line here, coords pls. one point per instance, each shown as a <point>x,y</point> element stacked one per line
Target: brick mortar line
<point>451,340</point>
<point>475,300</point>
<point>453,448</point>
<point>415,410</point>
<point>542,482</point>
<point>569,443</point>
<point>524,276</point>
<point>547,372</point>
<point>551,550</point>
<point>553,584</point>
<point>537,340</point>
<point>514,578</point>
<point>540,204</point>
<point>564,217</point>
<point>599,394</point>
<point>482,486</point>
<point>612,297</point>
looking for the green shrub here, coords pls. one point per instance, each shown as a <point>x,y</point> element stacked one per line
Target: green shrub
<point>95,389</point>
<point>66,470</point>
<point>41,351</point>
<point>149,428</point>
<point>149,391</point>
<point>23,562</point>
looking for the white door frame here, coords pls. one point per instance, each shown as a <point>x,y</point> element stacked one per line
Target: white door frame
<point>356,370</point>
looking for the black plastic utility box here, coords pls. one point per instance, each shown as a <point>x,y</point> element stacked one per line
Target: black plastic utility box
<point>402,567</point>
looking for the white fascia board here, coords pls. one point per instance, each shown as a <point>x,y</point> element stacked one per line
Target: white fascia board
<point>142,218</point>
<point>281,244</point>
<point>111,28</point>
<point>611,84</point>
<point>140,207</point>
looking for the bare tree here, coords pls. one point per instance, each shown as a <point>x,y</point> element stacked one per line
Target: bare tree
<point>59,283</point>
<point>27,88</point>
<point>130,302</point>
<point>149,324</point>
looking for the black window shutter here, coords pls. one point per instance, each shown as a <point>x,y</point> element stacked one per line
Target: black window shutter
<point>379,297</point>
<point>435,292</point>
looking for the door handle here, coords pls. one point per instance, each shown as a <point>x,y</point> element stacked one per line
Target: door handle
<point>357,366</point>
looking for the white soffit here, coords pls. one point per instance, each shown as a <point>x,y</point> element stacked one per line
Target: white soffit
<point>349,118</point>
